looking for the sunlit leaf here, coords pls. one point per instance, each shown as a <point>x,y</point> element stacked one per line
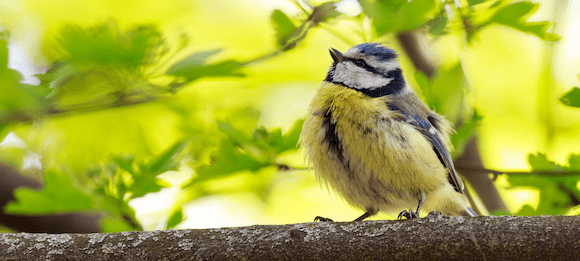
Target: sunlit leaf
<point>399,15</point>
<point>114,224</point>
<point>424,85</point>
<point>168,160</point>
<point>145,179</point>
<point>175,218</point>
<point>516,15</point>
<point>195,60</point>
<point>282,23</point>
<point>552,201</point>
<point>438,25</point>
<point>465,132</point>
<point>526,210</point>
<point>18,102</point>
<point>540,162</point>
<point>59,195</point>
<point>475,2</point>
<point>227,160</point>
<point>323,12</point>
<point>557,192</point>
<point>291,137</point>
<point>146,184</point>
<point>196,66</point>
<point>448,91</point>
<point>126,163</point>
<point>283,26</point>
<point>106,45</point>
<point>242,152</point>
<point>102,66</point>
<point>571,98</point>
<point>574,161</point>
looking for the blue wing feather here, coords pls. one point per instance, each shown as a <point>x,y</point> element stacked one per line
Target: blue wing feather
<point>423,126</point>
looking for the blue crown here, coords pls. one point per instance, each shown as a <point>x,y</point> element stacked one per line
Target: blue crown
<point>382,53</point>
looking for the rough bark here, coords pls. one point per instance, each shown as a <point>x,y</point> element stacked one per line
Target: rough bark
<point>435,237</point>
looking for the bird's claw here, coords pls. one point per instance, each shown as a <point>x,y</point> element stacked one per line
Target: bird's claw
<point>322,219</point>
<point>408,214</point>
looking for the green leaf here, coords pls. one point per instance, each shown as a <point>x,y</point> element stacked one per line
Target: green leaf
<point>323,12</point>
<point>146,184</point>
<point>553,200</point>
<point>126,163</point>
<point>195,66</point>
<point>424,85</point>
<point>448,91</point>
<point>114,224</point>
<point>558,193</point>
<point>399,15</point>
<point>291,137</point>
<point>465,132</point>
<point>574,161</point>
<point>175,218</point>
<point>106,45</point>
<point>571,98</point>
<point>226,161</point>
<point>133,179</point>
<point>438,25</point>
<point>526,210</point>
<point>168,160</point>
<point>475,2</point>
<point>239,151</point>
<point>102,66</point>
<point>195,60</point>
<point>18,102</point>
<point>288,39</point>
<point>540,162</point>
<point>283,26</point>
<point>516,15</point>
<point>59,195</point>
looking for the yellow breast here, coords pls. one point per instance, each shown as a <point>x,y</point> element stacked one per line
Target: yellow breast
<point>357,146</point>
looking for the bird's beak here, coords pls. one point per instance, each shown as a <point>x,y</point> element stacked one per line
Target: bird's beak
<point>336,55</point>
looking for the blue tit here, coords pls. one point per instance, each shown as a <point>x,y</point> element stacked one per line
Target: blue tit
<point>371,139</point>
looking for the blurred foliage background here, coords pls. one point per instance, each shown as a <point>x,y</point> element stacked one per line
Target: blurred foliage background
<point>130,115</point>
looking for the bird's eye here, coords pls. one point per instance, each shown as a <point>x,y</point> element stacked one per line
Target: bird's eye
<point>360,63</point>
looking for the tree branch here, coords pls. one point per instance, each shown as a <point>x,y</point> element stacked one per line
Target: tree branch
<point>433,237</point>
<point>410,44</point>
<point>480,181</point>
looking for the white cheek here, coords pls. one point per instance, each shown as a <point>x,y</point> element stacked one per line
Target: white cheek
<point>387,66</point>
<point>358,78</point>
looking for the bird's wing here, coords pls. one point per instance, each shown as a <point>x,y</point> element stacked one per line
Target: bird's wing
<point>431,134</point>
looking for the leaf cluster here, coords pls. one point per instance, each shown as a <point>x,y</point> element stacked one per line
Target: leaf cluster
<point>556,184</point>
<point>112,185</point>
<point>572,97</point>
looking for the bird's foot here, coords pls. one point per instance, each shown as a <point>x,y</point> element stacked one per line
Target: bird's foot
<point>322,219</point>
<point>408,214</point>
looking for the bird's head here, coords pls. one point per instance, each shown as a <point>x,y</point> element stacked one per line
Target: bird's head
<point>369,67</point>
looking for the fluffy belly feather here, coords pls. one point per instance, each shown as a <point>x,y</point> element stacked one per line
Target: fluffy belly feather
<point>370,159</point>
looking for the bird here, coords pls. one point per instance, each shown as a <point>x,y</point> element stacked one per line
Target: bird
<point>371,139</point>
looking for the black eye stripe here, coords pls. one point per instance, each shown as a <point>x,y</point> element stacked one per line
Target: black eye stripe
<point>361,63</point>
<point>394,86</point>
